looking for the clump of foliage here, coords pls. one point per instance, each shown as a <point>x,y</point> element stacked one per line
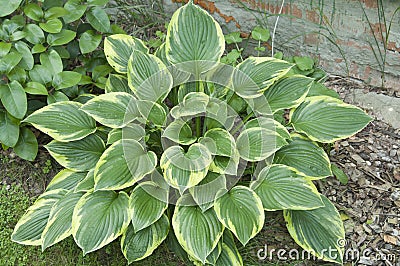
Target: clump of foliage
<point>48,53</point>
<point>184,148</point>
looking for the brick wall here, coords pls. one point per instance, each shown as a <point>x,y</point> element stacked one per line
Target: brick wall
<point>334,31</point>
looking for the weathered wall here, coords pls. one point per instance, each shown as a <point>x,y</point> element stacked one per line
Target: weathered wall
<point>320,28</point>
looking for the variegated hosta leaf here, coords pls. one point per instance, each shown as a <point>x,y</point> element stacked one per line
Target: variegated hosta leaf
<point>281,187</point>
<point>205,192</point>
<point>183,170</point>
<point>59,225</point>
<point>214,255</point>
<point>139,245</point>
<point>229,254</point>
<point>220,142</point>
<point>256,74</point>
<point>114,109</point>
<point>194,37</point>
<point>86,183</point>
<point>194,103</point>
<point>241,211</point>
<point>226,165</point>
<point>122,165</point>
<point>318,231</point>
<point>79,155</point>
<point>152,112</point>
<point>179,132</point>
<point>326,119</point>
<point>66,179</point>
<point>130,131</point>
<point>148,77</point>
<point>117,83</point>
<point>288,92</point>
<point>148,202</point>
<point>99,218</point>
<point>269,123</point>
<point>63,121</point>
<point>30,226</point>
<point>119,47</point>
<point>197,232</point>
<point>306,157</point>
<point>257,143</point>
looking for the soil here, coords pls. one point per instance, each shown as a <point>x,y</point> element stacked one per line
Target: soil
<point>369,203</point>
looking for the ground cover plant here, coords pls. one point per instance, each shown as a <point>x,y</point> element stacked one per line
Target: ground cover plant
<point>185,149</point>
<point>48,53</point>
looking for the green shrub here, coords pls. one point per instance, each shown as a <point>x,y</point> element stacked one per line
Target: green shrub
<point>47,49</point>
<point>184,148</point>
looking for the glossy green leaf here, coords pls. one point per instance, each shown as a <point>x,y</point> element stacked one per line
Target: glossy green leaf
<point>179,132</point>
<point>256,74</point>
<point>89,41</point>
<point>326,119</point>
<point>55,12</point>
<point>75,9</point>
<point>30,226</point>
<point>139,245</point>
<point>183,170</point>
<point>201,43</point>
<point>34,34</point>
<point>233,37</point>
<point>99,218</point>
<point>27,60</point>
<point>148,202</point>
<point>241,211</point>
<point>40,74</point>
<point>63,121</point>
<point>318,89</point>
<point>17,74</point>
<point>114,110</point>
<point>304,63</point>
<point>63,37</point>
<point>9,61</point>
<point>318,231</point>
<point>27,146</point>
<point>66,79</point>
<point>4,48</point>
<point>281,187</point>
<point>52,26</point>
<point>98,19</point>
<point>66,179</point>
<point>288,92</point>
<point>59,225</point>
<point>14,99</point>
<point>202,236</point>
<point>306,157</point>
<point>148,77</point>
<point>8,6</point>
<point>35,88</point>
<point>9,129</point>
<point>123,164</point>
<point>33,11</point>
<point>56,97</point>
<point>52,62</point>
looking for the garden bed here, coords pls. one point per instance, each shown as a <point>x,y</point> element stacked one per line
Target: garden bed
<point>369,205</point>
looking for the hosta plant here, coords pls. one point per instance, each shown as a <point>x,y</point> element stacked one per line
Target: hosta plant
<point>184,149</point>
<point>43,45</point>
